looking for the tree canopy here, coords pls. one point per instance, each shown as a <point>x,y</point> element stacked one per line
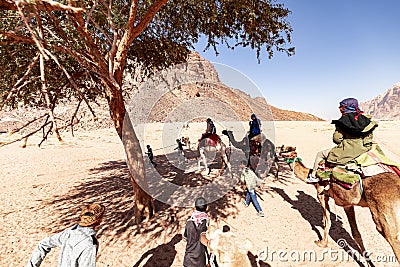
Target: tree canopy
<point>52,51</point>
<point>90,38</point>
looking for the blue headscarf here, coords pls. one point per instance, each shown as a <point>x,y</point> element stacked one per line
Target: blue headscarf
<point>350,105</point>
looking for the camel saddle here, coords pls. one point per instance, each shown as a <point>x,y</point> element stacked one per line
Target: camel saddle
<point>367,164</point>
<point>211,140</point>
<point>255,148</point>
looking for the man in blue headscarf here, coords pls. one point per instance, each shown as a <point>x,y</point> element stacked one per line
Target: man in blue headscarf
<point>353,136</point>
<point>255,126</point>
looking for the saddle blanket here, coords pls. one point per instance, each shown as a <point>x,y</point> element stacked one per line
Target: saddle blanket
<point>255,147</point>
<point>368,164</point>
<point>211,140</point>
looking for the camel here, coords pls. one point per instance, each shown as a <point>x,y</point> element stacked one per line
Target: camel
<point>229,250</point>
<point>208,145</point>
<point>381,194</point>
<point>267,150</point>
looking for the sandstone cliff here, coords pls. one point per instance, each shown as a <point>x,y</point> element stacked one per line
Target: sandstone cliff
<point>385,106</point>
<point>177,103</point>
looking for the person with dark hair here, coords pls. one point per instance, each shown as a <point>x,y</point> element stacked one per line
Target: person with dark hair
<point>226,228</point>
<point>78,244</point>
<point>255,127</point>
<point>195,236</point>
<point>150,155</point>
<point>181,156</point>
<point>353,136</point>
<point>251,181</point>
<point>210,130</point>
<point>210,127</point>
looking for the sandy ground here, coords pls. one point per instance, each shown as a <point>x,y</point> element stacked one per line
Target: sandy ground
<point>42,188</point>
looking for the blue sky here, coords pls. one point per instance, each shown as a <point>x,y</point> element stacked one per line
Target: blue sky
<point>344,48</point>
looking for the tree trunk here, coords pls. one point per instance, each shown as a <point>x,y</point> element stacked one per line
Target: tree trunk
<point>144,204</point>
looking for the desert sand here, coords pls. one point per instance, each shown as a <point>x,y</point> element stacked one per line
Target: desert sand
<point>43,187</point>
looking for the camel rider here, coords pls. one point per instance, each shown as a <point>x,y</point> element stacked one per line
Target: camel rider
<point>353,137</point>
<point>255,128</point>
<point>210,129</point>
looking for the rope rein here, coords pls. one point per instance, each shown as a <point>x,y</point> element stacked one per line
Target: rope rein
<point>162,147</point>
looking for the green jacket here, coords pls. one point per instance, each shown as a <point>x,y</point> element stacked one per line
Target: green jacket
<point>350,145</point>
<point>249,178</point>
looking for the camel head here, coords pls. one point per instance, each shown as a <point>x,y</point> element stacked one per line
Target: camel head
<point>287,152</point>
<point>285,149</point>
<point>226,132</point>
<point>242,144</point>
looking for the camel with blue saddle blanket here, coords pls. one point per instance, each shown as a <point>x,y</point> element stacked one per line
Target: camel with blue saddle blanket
<point>372,181</point>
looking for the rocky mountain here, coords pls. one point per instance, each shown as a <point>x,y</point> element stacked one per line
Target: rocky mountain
<point>385,106</point>
<point>164,99</point>
<point>211,98</point>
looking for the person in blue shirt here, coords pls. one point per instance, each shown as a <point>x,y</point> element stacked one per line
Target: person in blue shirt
<point>255,126</point>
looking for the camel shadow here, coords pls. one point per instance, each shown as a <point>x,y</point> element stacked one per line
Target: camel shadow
<point>163,254</point>
<point>310,209</point>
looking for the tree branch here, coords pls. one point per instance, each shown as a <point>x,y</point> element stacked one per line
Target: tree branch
<point>7,5</point>
<point>26,136</point>
<point>131,33</point>
<point>14,38</point>
<point>74,117</point>
<point>33,34</point>
<point>27,124</point>
<point>47,98</point>
<point>15,89</point>
<point>74,85</point>
<point>91,46</point>
<point>40,4</point>
<point>49,131</point>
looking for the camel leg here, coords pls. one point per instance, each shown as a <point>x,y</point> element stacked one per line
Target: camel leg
<point>326,216</point>
<point>382,214</point>
<point>351,216</point>
<point>225,162</point>
<point>272,163</point>
<point>202,158</point>
<point>276,167</point>
<point>382,195</point>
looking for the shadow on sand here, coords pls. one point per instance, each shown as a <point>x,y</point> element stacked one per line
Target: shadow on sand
<point>164,253</point>
<point>109,184</point>
<point>310,209</point>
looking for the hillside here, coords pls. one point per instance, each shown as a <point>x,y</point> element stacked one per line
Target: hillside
<point>209,96</point>
<point>385,106</point>
<point>187,102</point>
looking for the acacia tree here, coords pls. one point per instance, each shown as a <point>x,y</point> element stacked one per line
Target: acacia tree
<point>56,50</point>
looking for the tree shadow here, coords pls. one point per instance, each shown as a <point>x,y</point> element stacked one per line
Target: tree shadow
<point>109,184</point>
<point>163,254</point>
<point>310,209</point>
